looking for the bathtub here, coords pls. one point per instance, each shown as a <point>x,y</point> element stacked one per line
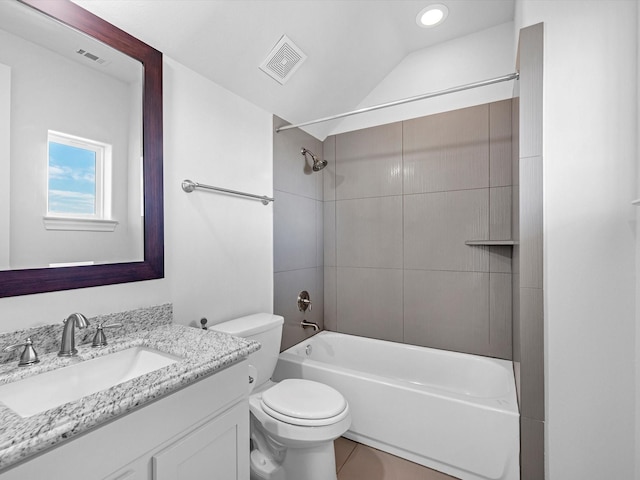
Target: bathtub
<point>452,412</point>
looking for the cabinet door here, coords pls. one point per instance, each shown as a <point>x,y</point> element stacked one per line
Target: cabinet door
<point>217,450</point>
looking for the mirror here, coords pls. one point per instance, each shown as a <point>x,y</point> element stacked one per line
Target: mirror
<point>73,142</point>
<point>116,228</point>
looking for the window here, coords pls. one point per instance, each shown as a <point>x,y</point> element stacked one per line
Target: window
<point>78,183</point>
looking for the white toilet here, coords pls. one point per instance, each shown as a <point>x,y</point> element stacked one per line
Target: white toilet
<point>293,422</point>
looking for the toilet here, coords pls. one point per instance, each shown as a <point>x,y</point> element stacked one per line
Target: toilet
<point>293,422</point>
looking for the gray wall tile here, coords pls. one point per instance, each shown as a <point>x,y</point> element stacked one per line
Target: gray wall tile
<point>515,212</point>
<point>369,162</point>
<point>294,242</point>
<point>500,258</point>
<point>527,225</point>
<point>532,352</point>
<point>329,231</point>
<point>500,213</point>
<point>516,374</point>
<point>329,172</point>
<point>531,78</point>
<point>500,143</point>
<point>319,233</point>
<point>531,449</point>
<point>515,136</point>
<point>531,222</point>
<point>370,302</point>
<point>500,315</point>
<point>286,286</point>
<point>528,298</point>
<point>290,171</point>
<point>447,151</point>
<point>515,322</point>
<point>369,232</point>
<point>330,298</point>
<point>372,238</point>
<point>317,314</point>
<point>447,310</point>
<point>298,232</point>
<point>436,225</point>
<point>515,233</point>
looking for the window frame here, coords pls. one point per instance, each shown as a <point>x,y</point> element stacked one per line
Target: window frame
<point>101,220</point>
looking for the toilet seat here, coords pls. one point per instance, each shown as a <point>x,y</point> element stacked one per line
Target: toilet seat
<point>304,403</point>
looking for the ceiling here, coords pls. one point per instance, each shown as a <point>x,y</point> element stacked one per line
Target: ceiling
<point>36,28</point>
<point>351,45</point>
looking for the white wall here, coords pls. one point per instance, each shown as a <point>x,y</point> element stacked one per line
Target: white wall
<point>637,359</point>
<point>479,56</point>
<point>218,250</point>
<point>590,155</point>
<point>5,166</point>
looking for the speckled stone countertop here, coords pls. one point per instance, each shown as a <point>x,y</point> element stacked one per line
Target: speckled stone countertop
<point>203,353</point>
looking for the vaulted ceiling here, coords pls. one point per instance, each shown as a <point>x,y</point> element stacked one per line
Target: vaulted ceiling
<point>351,45</point>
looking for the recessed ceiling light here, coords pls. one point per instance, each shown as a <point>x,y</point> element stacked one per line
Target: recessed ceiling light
<point>432,15</point>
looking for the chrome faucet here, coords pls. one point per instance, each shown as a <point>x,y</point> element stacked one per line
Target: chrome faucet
<point>68,345</point>
<point>314,325</point>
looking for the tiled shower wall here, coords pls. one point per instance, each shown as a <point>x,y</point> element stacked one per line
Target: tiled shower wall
<point>400,200</point>
<point>297,229</point>
<point>528,298</point>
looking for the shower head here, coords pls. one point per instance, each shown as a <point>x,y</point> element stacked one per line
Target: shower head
<point>317,163</point>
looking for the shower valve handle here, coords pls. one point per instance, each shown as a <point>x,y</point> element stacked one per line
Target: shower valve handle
<point>304,302</point>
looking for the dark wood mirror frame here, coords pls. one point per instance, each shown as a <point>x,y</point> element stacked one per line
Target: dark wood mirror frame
<point>40,280</point>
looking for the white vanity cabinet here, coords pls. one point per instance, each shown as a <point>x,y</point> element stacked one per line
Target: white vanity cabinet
<point>198,432</point>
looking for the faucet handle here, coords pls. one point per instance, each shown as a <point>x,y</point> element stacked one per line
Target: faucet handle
<point>304,301</point>
<point>99,339</point>
<point>29,355</point>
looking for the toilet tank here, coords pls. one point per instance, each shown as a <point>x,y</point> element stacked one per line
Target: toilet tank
<point>264,328</point>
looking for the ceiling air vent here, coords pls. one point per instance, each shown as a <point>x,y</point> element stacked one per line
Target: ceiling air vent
<point>92,57</point>
<point>283,60</point>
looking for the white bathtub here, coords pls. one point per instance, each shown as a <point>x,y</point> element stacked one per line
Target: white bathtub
<point>449,411</point>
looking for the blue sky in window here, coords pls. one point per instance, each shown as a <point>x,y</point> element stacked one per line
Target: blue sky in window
<point>72,179</point>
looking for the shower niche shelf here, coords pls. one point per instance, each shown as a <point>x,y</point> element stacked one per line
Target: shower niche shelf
<point>489,242</point>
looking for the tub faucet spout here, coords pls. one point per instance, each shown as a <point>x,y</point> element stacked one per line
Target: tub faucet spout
<point>314,325</point>
<point>68,344</point>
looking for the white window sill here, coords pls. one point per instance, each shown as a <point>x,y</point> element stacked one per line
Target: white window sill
<point>79,224</point>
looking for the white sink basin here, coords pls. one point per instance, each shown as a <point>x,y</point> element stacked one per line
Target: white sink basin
<point>39,393</point>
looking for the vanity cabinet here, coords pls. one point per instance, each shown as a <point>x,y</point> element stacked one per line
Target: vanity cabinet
<point>198,432</point>
<point>212,448</point>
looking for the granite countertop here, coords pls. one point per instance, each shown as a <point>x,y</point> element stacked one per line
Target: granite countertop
<point>203,352</point>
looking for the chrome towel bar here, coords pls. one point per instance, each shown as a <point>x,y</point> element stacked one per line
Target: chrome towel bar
<point>189,186</point>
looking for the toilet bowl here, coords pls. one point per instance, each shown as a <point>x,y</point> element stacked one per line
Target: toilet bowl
<point>293,422</point>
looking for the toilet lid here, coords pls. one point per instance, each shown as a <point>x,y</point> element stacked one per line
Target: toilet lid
<point>304,402</point>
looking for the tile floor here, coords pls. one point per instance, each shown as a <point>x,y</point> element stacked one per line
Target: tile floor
<point>355,461</point>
